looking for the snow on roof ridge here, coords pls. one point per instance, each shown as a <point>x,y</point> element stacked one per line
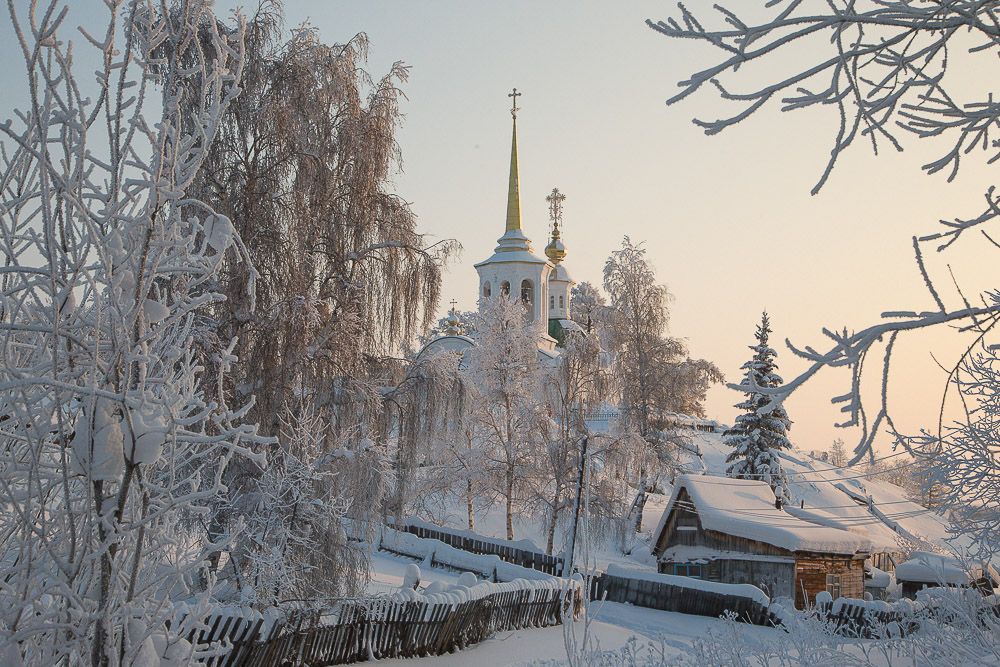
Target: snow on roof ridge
<point>750,513</point>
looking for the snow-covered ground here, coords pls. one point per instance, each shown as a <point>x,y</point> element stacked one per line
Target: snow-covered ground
<point>387,571</point>
<point>823,494</point>
<point>612,626</point>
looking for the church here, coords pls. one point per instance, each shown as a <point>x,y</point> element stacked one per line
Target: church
<point>543,284</point>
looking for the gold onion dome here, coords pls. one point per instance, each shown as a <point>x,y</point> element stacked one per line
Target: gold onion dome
<point>556,249</point>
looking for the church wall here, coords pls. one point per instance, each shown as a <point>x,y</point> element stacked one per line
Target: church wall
<point>514,273</point>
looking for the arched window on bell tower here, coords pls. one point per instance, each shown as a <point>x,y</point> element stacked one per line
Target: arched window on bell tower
<point>505,288</point>
<point>486,290</point>
<point>528,297</point>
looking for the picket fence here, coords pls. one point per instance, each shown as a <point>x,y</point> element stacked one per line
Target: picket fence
<point>376,628</point>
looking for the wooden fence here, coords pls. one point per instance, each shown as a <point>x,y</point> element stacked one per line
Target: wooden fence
<point>224,630</point>
<point>523,557</point>
<point>667,597</point>
<point>377,628</point>
<point>857,618</point>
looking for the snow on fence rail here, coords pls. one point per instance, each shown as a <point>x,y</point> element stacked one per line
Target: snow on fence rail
<point>686,595</point>
<point>521,552</point>
<point>878,619</point>
<point>420,542</point>
<point>406,624</point>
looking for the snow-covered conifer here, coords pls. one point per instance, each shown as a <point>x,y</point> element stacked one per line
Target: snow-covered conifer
<point>761,431</point>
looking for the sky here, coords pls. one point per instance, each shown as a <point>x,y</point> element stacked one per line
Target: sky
<point>727,220</point>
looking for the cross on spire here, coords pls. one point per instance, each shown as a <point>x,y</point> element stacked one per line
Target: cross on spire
<point>453,305</point>
<point>555,200</point>
<point>513,104</point>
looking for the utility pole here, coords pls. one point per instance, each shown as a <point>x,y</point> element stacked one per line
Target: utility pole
<point>570,551</point>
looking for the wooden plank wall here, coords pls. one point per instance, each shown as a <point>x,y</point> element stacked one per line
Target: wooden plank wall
<point>810,577</point>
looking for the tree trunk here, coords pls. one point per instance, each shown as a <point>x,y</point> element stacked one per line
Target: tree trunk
<point>570,550</point>
<point>468,504</point>
<point>553,520</point>
<point>510,504</point>
<point>640,500</point>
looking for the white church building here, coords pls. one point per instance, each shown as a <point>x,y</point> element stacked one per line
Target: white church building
<point>542,283</point>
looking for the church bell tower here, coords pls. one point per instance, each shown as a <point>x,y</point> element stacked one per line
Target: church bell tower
<point>514,270</point>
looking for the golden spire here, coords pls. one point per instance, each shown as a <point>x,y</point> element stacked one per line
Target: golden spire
<point>513,189</point>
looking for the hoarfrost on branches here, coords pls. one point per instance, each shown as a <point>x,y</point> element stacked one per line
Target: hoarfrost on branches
<point>112,445</point>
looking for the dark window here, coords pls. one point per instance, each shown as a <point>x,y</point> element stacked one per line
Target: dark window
<point>833,585</point>
<point>687,570</point>
<point>505,288</point>
<point>486,290</point>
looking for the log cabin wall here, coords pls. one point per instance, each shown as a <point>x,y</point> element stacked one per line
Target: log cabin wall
<point>812,570</point>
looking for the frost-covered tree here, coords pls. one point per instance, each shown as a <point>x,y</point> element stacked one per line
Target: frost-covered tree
<point>964,472</point>
<point>652,373</point>
<point>761,431</point>
<point>344,280</point>
<point>589,305</point>
<point>505,379</point>
<point>838,452</point>
<point>113,441</point>
<point>890,70</point>
<point>572,388</point>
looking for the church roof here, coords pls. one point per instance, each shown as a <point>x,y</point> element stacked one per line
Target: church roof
<point>560,273</point>
<point>502,256</point>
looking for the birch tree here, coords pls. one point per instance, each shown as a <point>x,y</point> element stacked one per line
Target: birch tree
<point>503,370</point>
<point>113,444</point>
<point>572,389</point>
<point>652,372</point>
<point>303,166</point>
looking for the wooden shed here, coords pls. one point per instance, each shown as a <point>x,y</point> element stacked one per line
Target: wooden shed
<point>732,531</point>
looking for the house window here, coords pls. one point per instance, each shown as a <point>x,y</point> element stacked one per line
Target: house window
<point>505,288</point>
<point>552,302</point>
<point>560,301</point>
<point>486,290</point>
<point>687,570</point>
<point>833,585</point>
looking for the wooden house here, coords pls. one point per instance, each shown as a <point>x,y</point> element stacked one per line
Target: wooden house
<point>733,531</point>
<point>928,570</point>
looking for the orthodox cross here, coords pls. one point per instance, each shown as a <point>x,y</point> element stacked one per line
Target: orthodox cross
<point>513,104</point>
<point>453,304</point>
<point>555,200</point>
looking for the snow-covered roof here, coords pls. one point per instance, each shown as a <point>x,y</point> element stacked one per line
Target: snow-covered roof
<point>570,325</point>
<point>560,274</point>
<point>680,553</point>
<point>930,568</point>
<point>506,256</point>
<point>745,508</point>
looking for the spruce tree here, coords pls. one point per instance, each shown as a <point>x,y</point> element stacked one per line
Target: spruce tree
<point>760,432</point>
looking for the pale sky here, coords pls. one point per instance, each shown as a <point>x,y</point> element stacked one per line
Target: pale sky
<point>727,220</point>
